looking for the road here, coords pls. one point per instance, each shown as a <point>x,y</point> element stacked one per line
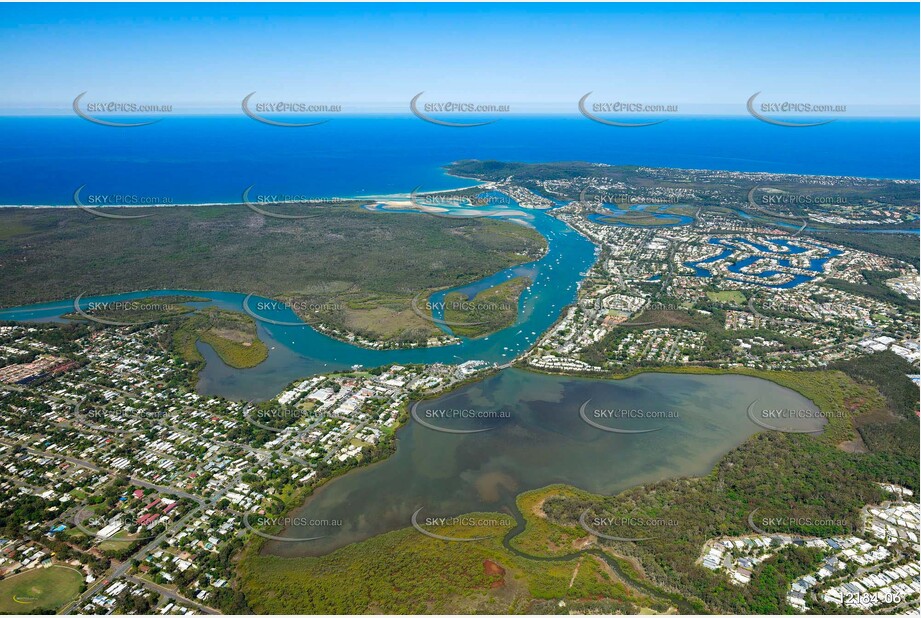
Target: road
<point>141,554</point>
<point>166,489</point>
<point>171,594</point>
<point>121,568</point>
<point>751,306</point>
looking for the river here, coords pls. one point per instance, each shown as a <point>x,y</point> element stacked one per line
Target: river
<point>300,351</point>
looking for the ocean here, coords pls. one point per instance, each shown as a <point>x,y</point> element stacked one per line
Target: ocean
<point>204,159</point>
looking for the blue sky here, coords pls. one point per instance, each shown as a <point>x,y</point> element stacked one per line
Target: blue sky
<point>534,57</point>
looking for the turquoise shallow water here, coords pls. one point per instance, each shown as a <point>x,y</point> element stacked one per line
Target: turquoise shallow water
<point>300,351</point>
<point>542,440</point>
<point>200,159</point>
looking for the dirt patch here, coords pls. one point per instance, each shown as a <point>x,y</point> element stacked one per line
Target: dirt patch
<point>879,413</point>
<point>538,508</point>
<point>234,335</point>
<point>575,572</point>
<point>491,568</point>
<point>854,446</point>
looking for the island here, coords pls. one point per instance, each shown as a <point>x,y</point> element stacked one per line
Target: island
<point>488,311</point>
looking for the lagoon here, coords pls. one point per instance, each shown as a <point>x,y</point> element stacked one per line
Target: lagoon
<point>541,440</point>
<point>788,247</point>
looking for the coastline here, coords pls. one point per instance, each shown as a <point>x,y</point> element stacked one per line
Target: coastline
<point>339,200</point>
<point>388,449</point>
<point>438,340</point>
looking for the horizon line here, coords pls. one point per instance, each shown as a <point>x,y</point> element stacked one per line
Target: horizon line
<point>227,112</point>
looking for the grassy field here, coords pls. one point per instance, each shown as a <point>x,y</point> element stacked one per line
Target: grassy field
<point>346,268</point>
<point>727,296</point>
<point>490,310</point>
<point>39,590</point>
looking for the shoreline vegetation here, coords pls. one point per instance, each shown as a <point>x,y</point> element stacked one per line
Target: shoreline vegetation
<point>551,530</point>
<point>870,437</point>
<point>346,271</point>
<point>231,335</point>
<point>489,311</point>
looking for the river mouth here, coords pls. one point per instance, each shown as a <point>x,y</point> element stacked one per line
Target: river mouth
<point>533,430</point>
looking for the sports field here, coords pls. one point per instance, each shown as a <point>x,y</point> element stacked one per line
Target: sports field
<point>39,589</point>
<point>727,296</point>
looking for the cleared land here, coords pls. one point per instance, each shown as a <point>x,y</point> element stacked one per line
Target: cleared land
<point>727,296</point>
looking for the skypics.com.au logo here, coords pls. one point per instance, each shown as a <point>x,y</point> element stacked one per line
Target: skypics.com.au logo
<point>771,111</point>
<point>624,109</point>
<point>106,312</point>
<point>96,111</point>
<point>93,201</point>
<point>627,528</point>
<point>780,205</point>
<point>283,109</point>
<point>786,419</point>
<point>262,309</point>
<point>424,111</point>
<point>257,202</point>
<point>470,523</point>
<point>599,417</point>
<point>256,522</point>
<point>436,418</point>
